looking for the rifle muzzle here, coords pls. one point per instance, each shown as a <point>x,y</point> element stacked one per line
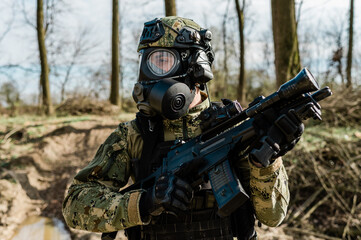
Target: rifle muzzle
<point>303,82</point>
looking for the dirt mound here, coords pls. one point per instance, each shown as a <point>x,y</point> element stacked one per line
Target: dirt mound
<point>34,182</point>
<point>83,105</point>
<point>14,202</point>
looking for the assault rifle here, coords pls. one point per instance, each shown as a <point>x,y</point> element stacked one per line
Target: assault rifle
<point>214,147</point>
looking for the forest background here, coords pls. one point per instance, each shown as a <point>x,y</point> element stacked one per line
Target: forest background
<point>67,70</point>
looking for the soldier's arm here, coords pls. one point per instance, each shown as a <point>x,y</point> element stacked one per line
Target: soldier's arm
<point>269,192</point>
<point>93,201</point>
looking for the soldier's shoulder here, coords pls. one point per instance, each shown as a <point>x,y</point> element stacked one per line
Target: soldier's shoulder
<point>128,128</point>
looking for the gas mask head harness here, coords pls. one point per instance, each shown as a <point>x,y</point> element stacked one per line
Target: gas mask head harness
<point>175,58</point>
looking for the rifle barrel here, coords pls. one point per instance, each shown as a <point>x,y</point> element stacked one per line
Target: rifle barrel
<point>322,94</point>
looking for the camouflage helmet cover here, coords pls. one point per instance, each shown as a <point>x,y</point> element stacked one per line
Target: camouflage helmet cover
<point>170,28</point>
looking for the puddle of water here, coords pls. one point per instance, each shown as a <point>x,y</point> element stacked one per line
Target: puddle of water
<point>41,228</point>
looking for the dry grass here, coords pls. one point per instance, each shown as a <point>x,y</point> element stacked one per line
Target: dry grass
<point>343,108</point>
<point>325,173</point>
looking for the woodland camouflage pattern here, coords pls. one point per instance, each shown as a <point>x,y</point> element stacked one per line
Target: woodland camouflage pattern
<point>172,26</point>
<point>94,203</point>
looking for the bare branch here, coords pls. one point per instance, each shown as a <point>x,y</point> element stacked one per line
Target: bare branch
<point>9,24</point>
<point>18,66</point>
<point>25,14</point>
<point>298,17</point>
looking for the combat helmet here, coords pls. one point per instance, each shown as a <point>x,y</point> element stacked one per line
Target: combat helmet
<point>185,42</point>
<point>173,32</point>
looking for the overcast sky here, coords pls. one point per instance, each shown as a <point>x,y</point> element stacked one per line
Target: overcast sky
<point>19,45</point>
<point>97,13</point>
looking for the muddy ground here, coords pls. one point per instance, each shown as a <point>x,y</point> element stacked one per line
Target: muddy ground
<point>38,159</point>
<point>38,162</point>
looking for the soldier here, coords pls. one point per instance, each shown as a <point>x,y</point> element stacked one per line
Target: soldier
<point>175,65</point>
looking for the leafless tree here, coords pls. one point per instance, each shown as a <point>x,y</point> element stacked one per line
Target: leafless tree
<point>225,49</point>
<point>44,24</point>
<point>336,61</point>
<point>121,57</point>
<point>44,76</point>
<point>98,84</point>
<point>114,88</point>
<point>350,46</point>
<point>287,58</point>
<point>241,92</point>
<point>170,8</point>
<point>78,50</point>
<point>334,40</point>
<point>68,54</point>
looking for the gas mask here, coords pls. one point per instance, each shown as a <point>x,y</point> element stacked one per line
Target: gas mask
<point>171,67</point>
<point>167,80</point>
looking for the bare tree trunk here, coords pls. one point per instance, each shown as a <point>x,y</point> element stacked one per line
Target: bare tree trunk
<point>114,89</point>
<point>287,58</point>
<point>121,61</point>
<point>44,77</point>
<point>225,52</point>
<point>170,8</point>
<point>241,91</point>
<point>350,46</point>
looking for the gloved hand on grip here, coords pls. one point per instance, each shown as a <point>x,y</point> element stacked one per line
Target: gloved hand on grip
<point>279,135</point>
<point>291,127</point>
<point>169,193</point>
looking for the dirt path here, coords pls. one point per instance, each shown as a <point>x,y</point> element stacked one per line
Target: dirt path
<point>35,171</point>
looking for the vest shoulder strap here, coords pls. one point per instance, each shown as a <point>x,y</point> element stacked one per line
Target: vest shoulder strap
<point>151,131</point>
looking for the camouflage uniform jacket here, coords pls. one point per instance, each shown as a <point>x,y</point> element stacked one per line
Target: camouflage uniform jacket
<point>93,201</point>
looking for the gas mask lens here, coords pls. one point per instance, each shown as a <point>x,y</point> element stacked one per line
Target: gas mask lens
<point>161,62</point>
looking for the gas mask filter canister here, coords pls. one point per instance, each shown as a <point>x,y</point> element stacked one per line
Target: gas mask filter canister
<point>166,97</point>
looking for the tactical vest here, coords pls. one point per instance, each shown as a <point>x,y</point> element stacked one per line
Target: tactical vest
<point>199,223</point>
